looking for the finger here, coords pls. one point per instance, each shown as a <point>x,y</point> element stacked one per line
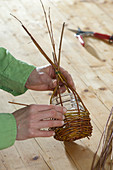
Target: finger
<point>68,77</point>
<point>47,81</point>
<point>47,85</point>
<point>40,108</point>
<point>44,80</point>
<point>49,69</point>
<point>43,133</point>
<point>49,123</point>
<point>50,114</point>
<point>50,83</point>
<point>54,84</point>
<point>62,89</point>
<point>60,109</point>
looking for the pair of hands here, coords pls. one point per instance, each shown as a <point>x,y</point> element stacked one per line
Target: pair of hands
<point>32,119</point>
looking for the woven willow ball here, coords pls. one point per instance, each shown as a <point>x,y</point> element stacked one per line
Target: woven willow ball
<point>77,123</point>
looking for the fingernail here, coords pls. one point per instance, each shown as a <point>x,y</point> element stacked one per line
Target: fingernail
<point>54,83</point>
<point>62,122</point>
<point>53,133</point>
<point>63,117</point>
<point>64,110</point>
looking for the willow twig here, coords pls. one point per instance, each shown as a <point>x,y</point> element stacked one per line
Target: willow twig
<point>52,37</point>
<point>106,144</point>
<point>60,45</point>
<point>36,43</point>
<point>22,104</point>
<point>49,28</point>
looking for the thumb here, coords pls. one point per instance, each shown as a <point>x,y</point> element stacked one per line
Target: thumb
<point>52,84</point>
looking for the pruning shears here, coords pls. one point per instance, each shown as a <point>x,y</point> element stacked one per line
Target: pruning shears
<point>80,34</point>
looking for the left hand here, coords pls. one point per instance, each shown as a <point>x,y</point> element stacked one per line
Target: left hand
<point>32,120</point>
<point>44,78</point>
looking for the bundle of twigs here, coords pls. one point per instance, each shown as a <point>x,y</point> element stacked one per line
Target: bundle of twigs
<point>77,122</point>
<point>105,161</point>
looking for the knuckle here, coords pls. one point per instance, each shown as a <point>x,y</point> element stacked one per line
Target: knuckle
<point>30,133</point>
<point>65,73</point>
<point>58,108</point>
<point>51,124</point>
<point>53,113</point>
<point>55,123</point>
<point>31,108</point>
<point>59,123</point>
<point>51,106</point>
<point>49,134</point>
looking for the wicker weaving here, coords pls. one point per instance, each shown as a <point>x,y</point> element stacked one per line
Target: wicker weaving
<point>77,122</point>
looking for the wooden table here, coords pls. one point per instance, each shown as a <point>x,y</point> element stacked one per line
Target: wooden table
<point>92,73</point>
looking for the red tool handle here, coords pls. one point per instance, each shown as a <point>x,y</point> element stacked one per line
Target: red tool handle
<point>102,36</point>
<point>80,39</point>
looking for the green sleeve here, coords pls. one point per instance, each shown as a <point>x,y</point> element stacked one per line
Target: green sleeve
<point>8,130</point>
<point>13,76</point>
<point>13,73</point>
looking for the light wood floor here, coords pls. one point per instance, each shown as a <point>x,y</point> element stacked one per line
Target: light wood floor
<point>92,73</point>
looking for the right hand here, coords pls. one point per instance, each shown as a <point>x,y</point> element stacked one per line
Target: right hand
<point>31,119</point>
<point>44,78</point>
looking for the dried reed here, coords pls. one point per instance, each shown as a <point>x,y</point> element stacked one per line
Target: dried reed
<point>105,160</point>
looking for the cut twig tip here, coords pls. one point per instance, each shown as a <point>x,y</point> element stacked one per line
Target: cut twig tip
<point>16,18</point>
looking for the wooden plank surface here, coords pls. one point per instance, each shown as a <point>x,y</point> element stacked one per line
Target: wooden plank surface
<point>91,68</point>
